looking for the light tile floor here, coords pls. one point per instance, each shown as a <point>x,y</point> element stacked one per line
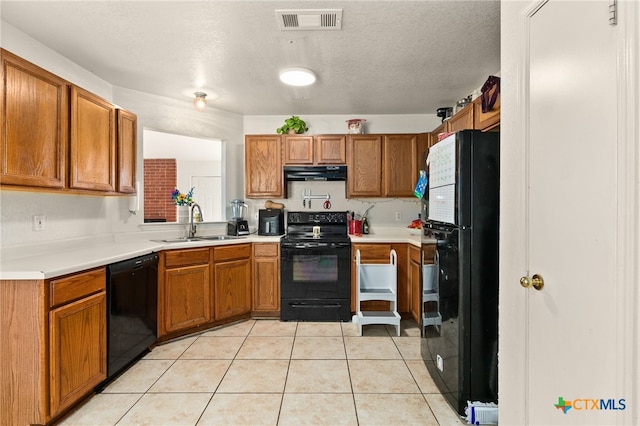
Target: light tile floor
<point>267,372</point>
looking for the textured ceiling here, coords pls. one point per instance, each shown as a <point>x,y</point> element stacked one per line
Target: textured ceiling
<point>391,57</point>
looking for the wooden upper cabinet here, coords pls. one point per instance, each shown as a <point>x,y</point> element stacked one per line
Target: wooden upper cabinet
<point>34,125</point>
<point>127,158</point>
<point>308,150</point>
<point>364,169</point>
<point>462,120</point>
<point>331,149</point>
<point>93,142</point>
<point>298,149</point>
<point>400,153</point>
<point>263,167</point>
<point>423,149</point>
<point>486,120</point>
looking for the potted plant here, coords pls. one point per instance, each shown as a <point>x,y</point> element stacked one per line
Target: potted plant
<point>293,125</point>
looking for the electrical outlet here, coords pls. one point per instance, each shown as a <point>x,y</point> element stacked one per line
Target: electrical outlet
<point>38,222</point>
<point>439,363</point>
<point>398,216</point>
<point>256,217</point>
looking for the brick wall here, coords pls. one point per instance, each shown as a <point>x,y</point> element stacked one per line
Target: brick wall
<point>160,178</point>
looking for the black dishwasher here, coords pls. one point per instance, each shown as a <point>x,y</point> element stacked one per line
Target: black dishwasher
<point>132,300</point>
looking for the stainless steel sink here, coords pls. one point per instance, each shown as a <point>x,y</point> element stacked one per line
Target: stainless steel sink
<point>209,238</point>
<point>220,237</point>
<point>180,240</point>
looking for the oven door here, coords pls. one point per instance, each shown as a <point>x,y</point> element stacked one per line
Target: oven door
<point>320,271</point>
<point>315,282</point>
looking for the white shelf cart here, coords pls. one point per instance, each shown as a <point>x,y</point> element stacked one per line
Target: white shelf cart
<point>378,282</point>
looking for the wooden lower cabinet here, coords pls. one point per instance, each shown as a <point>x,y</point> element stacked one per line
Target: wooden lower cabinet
<point>77,365</point>
<point>77,337</point>
<point>415,282</point>
<point>232,281</point>
<point>379,253</point>
<point>184,290</point>
<point>53,345</point>
<point>266,279</point>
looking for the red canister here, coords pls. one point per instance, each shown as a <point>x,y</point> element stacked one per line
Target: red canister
<point>355,227</point>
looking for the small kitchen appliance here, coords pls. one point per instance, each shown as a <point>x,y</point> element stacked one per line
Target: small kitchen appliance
<point>238,224</point>
<point>270,222</point>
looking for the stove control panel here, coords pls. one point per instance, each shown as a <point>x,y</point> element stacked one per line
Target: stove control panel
<point>316,217</point>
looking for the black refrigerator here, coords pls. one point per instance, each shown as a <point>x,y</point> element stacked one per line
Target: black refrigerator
<point>461,212</point>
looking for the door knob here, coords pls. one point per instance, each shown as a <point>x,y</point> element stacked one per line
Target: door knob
<point>536,282</point>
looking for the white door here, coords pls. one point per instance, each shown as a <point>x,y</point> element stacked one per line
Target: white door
<point>565,354</point>
<point>209,197</point>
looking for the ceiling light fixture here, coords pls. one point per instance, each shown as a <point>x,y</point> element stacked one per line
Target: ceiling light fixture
<point>297,76</point>
<point>200,101</point>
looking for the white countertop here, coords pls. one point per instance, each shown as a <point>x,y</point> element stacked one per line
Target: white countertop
<point>53,259</point>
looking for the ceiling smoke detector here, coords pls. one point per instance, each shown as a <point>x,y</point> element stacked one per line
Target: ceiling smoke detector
<point>312,19</point>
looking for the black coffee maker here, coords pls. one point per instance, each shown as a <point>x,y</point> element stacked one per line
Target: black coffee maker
<point>238,224</point>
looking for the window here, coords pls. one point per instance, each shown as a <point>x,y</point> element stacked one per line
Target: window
<point>183,162</point>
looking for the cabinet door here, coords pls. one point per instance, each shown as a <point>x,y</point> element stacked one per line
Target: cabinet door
<point>186,297</point>
<point>127,158</point>
<point>263,167</point>
<point>93,142</point>
<point>331,149</point>
<point>415,282</point>
<point>400,165</point>
<point>369,253</point>
<point>298,149</point>
<point>232,288</point>
<point>34,125</point>
<point>78,350</point>
<point>404,284</point>
<point>364,157</point>
<point>486,120</point>
<point>462,120</point>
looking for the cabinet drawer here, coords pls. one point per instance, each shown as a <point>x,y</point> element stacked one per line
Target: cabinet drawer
<point>232,252</point>
<point>76,286</point>
<point>265,250</point>
<point>175,258</point>
<point>372,252</point>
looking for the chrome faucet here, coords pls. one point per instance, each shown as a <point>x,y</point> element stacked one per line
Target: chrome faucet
<point>192,226</point>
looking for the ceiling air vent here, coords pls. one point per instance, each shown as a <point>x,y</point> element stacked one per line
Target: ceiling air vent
<point>316,19</point>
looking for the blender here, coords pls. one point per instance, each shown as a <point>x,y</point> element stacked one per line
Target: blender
<point>238,224</point>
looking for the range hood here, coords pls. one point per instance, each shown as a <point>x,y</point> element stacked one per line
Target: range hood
<point>330,173</point>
